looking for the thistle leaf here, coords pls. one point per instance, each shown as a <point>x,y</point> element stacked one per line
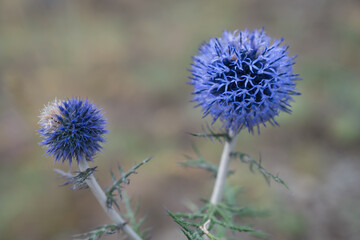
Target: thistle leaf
<point>199,224</point>
<point>77,181</point>
<point>210,134</point>
<point>245,158</point>
<point>98,232</point>
<point>117,183</point>
<point>200,162</point>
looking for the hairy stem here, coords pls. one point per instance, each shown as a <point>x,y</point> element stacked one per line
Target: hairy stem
<point>223,169</point>
<point>101,198</point>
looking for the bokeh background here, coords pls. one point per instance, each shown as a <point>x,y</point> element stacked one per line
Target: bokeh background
<point>130,58</point>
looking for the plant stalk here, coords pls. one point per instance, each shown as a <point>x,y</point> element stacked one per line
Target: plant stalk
<point>223,169</point>
<point>101,198</point>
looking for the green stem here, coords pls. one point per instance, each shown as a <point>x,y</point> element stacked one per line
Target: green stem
<point>101,198</point>
<point>223,169</point>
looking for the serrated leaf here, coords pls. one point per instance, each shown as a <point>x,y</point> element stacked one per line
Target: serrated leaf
<point>244,158</point>
<point>201,163</point>
<point>77,181</point>
<point>98,232</point>
<point>210,134</point>
<point>116,186</point>
<point>208,218</point>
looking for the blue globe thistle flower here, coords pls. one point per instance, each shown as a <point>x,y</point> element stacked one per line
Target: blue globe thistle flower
<point>244,79</point>
<point>72,129</point>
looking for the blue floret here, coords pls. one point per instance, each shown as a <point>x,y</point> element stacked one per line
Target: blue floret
<point>243,79</point>
<point>72,129</point>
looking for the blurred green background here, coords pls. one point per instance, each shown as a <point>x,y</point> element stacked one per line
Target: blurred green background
<point>130,58</point>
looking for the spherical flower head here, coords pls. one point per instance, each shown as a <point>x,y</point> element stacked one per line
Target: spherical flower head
<point>72,129</point>
<point>244,79</point>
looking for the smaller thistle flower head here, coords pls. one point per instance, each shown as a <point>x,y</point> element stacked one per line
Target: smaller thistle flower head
<point>244,79</point>
<point>72,129</point>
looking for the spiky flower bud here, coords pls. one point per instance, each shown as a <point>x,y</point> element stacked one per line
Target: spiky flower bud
<point>72,129</point>
<point>244,79</point>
